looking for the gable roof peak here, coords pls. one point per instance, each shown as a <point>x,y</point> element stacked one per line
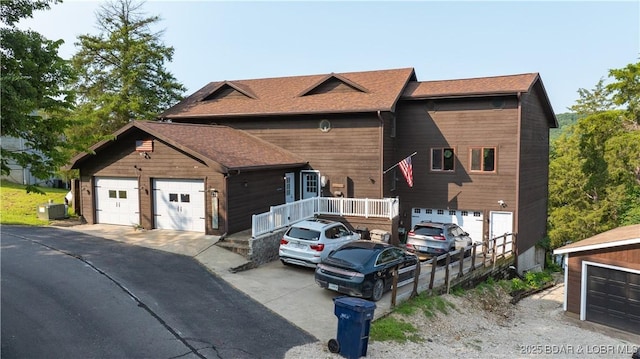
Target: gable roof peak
<point>225,88</point>
<point>330,82</point>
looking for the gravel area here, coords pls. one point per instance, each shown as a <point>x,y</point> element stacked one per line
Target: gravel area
<point>488,326</point>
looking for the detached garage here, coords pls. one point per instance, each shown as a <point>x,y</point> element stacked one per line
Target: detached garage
<point>602,278</point>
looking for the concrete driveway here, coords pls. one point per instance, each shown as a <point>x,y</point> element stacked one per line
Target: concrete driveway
<point>289,291</point>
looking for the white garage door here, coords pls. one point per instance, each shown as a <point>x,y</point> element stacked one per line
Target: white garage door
<point>470,221</point>
<point>179,204</point>
<point>117,201</point>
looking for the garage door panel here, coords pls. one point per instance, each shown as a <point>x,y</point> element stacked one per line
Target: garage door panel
<point>613,298</point>
<point>117,201</point>
<point>179,204</point>
<point>469,220</point>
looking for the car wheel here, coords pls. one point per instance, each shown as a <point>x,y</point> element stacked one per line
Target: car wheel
<point>378,290</point>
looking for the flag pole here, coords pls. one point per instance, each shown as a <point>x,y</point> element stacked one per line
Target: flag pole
<point>396,165</point>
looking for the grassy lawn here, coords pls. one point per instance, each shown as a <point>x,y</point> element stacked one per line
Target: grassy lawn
<point>19,207</point>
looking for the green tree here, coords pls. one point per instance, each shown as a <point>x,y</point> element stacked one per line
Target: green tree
<point>626,89</point>
<point>122,75</point>
<point>35,93</point>
<point>594,182</point>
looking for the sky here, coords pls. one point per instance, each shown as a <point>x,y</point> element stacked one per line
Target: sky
<point>571,44</point>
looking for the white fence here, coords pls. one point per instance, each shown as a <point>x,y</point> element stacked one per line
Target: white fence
<point>286,214</point>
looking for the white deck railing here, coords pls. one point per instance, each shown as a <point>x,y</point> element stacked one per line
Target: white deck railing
<point>286,214</point>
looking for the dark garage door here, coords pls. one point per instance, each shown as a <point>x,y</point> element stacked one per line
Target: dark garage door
<point>613,298</point>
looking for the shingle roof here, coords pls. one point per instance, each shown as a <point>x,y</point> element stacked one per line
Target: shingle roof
<point>616,237</point>
<point>231,148</point>
<point>372,91</point>
<point>475,86</point>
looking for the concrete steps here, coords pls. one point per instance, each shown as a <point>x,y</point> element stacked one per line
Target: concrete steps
<point>237,243</point>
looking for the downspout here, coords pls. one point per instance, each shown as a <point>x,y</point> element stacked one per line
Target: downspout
<point>518,151</point>
<point>225,190</point>
<point>381,146</point>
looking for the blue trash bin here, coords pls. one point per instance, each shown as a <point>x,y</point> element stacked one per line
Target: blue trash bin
<point>354,320</point>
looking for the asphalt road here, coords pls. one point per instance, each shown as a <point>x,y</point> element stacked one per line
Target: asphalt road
<point>72,295</point>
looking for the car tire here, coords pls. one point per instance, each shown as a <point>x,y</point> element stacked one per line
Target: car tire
<point>377,290</point>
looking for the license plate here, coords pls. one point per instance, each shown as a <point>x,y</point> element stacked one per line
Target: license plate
<point>333,286</point>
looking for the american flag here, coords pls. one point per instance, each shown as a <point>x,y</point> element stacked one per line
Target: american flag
<point>407,170</point>
<point>144,145</point>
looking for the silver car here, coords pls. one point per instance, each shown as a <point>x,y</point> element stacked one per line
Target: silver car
<point>307,242</point>
<point>428,239</point>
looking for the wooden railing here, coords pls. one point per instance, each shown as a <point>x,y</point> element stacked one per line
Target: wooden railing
<point>429,273</point>
<point>286,214</point>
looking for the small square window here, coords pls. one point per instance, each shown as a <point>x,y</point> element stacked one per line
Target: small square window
<point>441,211</point>
<point>465,213</point>
<point>122,194</point>
<point>185,198</point>
<point>428,211</point>
<point>476,214</point>
<point>173,197</point>
<point>113,193</point>
<point>452,213</point>
<point>416,210</point>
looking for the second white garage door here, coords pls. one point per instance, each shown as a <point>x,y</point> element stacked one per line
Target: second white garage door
<point>470,221</point>
<point>179,204</point>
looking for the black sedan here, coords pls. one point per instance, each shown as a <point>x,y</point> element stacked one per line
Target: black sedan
<point>363,268</point>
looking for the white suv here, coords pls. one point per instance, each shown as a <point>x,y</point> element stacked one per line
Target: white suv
<point>307,242</point>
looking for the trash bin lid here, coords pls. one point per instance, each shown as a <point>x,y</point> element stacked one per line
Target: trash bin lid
<point>356,304</point>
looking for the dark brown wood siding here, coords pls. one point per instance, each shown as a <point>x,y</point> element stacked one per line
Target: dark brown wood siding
<point>623,256</point>
<point>459,124</point>
<point>253,193</point>
<point>534,171</point>
<point>349,152</point>
<point>121,160</point>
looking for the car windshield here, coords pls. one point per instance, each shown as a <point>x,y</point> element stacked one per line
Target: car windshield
<point>353,255</point>
<point>428,231</point>
<point>303,233</point>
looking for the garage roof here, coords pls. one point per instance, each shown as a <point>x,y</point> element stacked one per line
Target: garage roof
<point>231,148</point>
<point>616,237</point>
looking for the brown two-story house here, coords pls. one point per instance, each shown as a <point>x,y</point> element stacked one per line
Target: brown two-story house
<point>481,153</point>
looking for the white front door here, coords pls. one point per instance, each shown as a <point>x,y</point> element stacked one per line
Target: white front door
<point>499,224</point>
<point>289,187</point>
<point>179,204</point>
<point>310,184</point>
<point>117,201</point>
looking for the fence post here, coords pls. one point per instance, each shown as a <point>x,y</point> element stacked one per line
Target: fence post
<point>493,252</point>
<point>504,245</point>
<point>514,248</point>
<point>434,263</point>
<point>416,279</point>
<point>446,275</point>
<point>461,260</point>
<point>473,256</point>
